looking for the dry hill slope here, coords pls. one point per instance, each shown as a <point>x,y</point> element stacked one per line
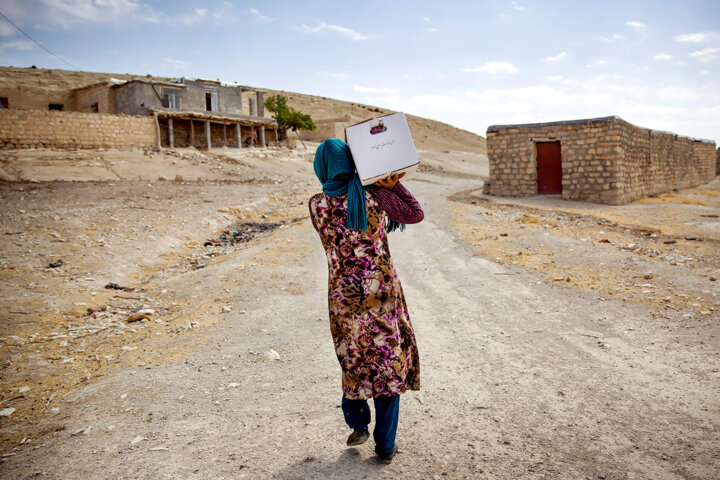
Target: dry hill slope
<point>427,134</point>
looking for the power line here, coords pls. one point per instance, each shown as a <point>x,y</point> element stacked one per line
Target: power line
<point>38,43</point>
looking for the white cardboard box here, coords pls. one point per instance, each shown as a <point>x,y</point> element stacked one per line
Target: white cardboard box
<point>381,147</point>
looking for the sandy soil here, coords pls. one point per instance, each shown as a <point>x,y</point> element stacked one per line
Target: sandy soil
<point>558,339</point>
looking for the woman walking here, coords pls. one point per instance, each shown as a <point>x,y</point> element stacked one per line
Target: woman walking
<point>369,322</point>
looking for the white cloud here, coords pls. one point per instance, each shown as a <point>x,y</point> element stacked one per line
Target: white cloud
<point>337,75</point>
<point>259,17</point>
<point>612,38</point>
<point>699,37</point>
<point>361,89</point>
<point>347,32</point>
<point>49,14</point>
<point>17,45</point>
<point>71,12</point>
<point>426,19</point>
<point>516,6</point>
<point>494,67</point>
<point>6,29</point>
<point>706,54</point>
<point>175,64</point>
<point>635,24</point>
<point>675,108</point>
<point>432,30</point>
<point>597,63</point>
<point>556,58</point>
<point>199,14</point>
<point>663,56</point>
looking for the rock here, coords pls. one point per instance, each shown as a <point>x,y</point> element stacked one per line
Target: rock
<point>6,412</point>
<point>272,355</point>
<point>226,309</point>
<point>84,430</point>
<point>648,275</point>
<point>233,385</point>
<point>55,411</point>
<point>137,439</point>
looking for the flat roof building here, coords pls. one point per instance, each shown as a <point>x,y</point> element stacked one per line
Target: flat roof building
<point>604,160</point>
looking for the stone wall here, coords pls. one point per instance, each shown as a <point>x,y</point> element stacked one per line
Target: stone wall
<point>52,129</point>
<point>605,160</point>
<point>653,162</point>
<point>717,161</point>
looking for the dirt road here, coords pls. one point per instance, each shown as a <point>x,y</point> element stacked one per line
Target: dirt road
<point>523,376</point>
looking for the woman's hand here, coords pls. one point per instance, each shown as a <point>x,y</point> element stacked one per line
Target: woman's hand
<point>391,181</point>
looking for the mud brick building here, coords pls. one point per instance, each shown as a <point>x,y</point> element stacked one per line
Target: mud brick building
<point>186,112</point>
<point>604,160</point>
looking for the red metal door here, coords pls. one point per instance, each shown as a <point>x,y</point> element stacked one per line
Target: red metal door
<point>549,167</point>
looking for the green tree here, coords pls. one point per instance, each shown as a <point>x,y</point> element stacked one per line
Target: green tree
<point>288,117</point>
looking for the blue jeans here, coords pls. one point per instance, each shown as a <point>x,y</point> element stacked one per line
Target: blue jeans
<point>387,411</point>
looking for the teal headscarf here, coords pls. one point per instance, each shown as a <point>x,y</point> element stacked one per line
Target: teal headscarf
<point>335,169</point>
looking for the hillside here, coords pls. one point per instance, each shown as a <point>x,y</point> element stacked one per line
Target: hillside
<point>428,134</point>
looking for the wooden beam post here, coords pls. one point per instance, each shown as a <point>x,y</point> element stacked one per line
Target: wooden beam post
<point>207,134</point>
<point>157,132</point>
<point>171,133</point>
<point>192,134</point>
<point>224,135</point>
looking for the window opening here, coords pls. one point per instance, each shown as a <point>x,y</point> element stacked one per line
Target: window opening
<point>55,106</point>
<point>4,103</point>
<point>171,98</point>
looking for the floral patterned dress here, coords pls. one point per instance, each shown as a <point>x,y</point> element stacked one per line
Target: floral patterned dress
<point>374,339</point>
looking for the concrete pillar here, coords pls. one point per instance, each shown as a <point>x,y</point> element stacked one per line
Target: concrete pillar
<point>260,104</point>
<point>171,133</point>
<point>207,134</point>
<point>262,137</point>
<point>252,107</point>
<point>238,135</point>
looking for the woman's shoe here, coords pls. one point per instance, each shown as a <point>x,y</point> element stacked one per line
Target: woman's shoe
<point>358,437</point>
<point>386,459</point>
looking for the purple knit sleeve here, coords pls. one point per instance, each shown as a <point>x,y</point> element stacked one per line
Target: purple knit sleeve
<point>399,204</point>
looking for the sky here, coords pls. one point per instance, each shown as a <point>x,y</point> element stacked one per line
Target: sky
<point>471,64</point>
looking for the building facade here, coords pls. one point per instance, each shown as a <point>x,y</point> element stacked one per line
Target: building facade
<point>187,112</point>
<point>604,160</point>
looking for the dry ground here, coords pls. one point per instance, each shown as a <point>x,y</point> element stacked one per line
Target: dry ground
<point>558,339</point>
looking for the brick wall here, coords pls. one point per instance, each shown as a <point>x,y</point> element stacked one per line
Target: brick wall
<point>606,160</point>
<point>38,129</point>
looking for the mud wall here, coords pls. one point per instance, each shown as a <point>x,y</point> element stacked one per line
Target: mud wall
<point>324,131</point>
<point>53,129</point>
